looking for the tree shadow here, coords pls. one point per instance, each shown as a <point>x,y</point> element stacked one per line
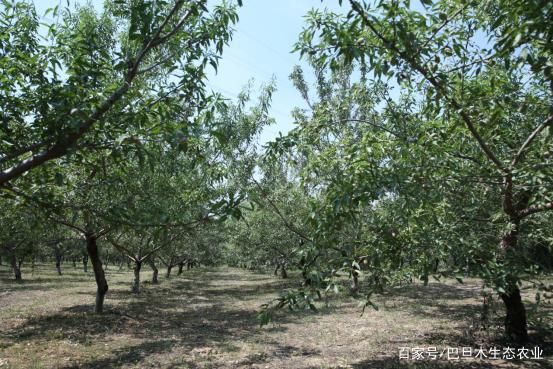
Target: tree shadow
<point>434,291</point>
<point>388,362</point>
<point>128,355</point>
<point>203,309</point>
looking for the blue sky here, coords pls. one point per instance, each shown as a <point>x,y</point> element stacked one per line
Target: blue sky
<point>260,49</point>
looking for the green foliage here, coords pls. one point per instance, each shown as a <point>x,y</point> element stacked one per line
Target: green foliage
<point>426,145</point>
<point>95,80</point>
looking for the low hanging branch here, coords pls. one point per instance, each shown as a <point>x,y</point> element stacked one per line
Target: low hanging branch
<point>141,258</point>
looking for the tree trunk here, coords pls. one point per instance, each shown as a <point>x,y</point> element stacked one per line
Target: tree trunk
<point>354,282</point>
<point>283,273</point>
<point>102,284</point>
<point>58,263</point>
<point>85,263</point>
<point>155,271</point>
<point>16,268</point>
<point>168,274</point>
<point>436,265</point>
<point>74,263</point>
<point>276,270</point>
<point>515,320</point>
<point>181,265</point>
<point>136,280</point>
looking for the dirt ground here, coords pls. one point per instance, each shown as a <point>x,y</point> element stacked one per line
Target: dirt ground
<point>206,318</point>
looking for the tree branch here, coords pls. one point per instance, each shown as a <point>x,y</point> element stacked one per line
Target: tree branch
<point>432,79</point>
<point>286,223</point>
<point>535,209</point>
<point>60,148</point>
<point>531,138</point>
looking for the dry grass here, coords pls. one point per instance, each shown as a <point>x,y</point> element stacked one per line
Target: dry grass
<point>206,319</point>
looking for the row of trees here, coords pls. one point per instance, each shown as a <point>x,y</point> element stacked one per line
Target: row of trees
<point>425,148</point>
<point>428,142</point>
<point>109,138</point>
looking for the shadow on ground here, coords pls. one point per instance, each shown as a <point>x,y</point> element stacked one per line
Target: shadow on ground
<point>204,309</point>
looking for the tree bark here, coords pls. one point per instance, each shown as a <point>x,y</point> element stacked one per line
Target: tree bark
<point>101,283</point>
<point>283,273</point>
<point>354,282</point>
<point>85,263</point>
<point>136,280</point>
<point>58,263</point>
<point>155,271</point>
<point>515,320</point>
<point>168,273</point>
<point>181,265</point>
<point>16,266</point>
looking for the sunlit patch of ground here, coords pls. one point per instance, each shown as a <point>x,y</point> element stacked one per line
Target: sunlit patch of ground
<point>206,319</point>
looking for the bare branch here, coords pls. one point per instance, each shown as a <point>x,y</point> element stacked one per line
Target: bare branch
<point>70,225</point>
<point>535,209</point>
<point>122,249</point>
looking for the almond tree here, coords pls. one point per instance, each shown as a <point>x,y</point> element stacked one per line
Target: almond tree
<point>479,76</point>
<point>73,90</point>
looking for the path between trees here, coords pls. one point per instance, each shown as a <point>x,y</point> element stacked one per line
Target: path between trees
<point>206,319</point>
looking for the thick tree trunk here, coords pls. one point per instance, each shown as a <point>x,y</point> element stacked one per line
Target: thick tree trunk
<point>515,320</point>
<point>168,273</point>
<point>155,271</point>
<point>136,280</point>
<point>16,266</point>
<point>181,265</point>
<point>102,284</point>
